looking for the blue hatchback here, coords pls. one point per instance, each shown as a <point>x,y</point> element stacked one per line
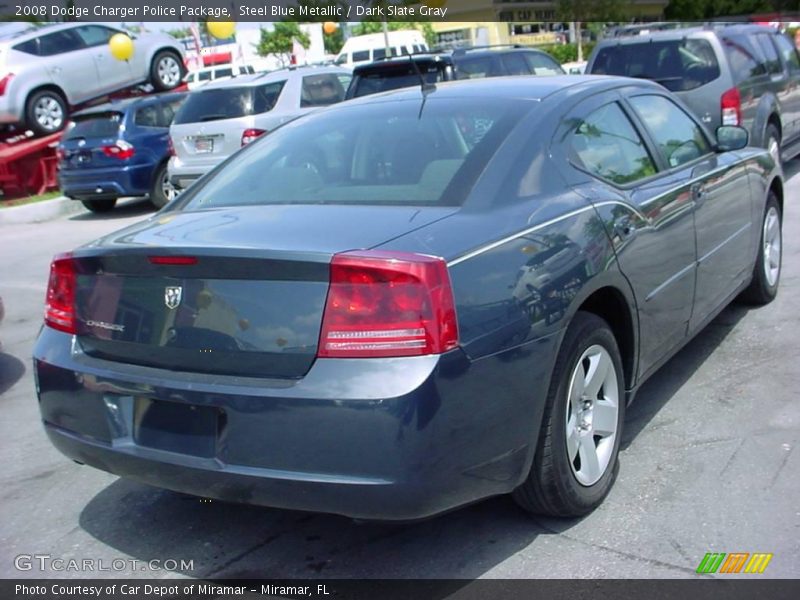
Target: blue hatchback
<point>118,149</point>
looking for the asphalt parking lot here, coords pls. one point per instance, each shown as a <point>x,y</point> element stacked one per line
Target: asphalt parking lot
<point>709,464</point>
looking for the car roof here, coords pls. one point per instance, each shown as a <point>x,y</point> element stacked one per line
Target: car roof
<point>721,28</point>
<point>269,77</point>
<point>446,56</point>
<point>127,103</point>
<point>531,87</point>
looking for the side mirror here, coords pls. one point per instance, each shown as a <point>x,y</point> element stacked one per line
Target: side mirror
<point>731,137</point>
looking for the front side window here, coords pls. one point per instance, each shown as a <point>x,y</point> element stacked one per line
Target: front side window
<point>771,59</point>
<point>395,153</point>
<point>543,65</point>
<point>606,144</point>
<point>515,64</point>
<point>679,139</point>
<point>147,116</point>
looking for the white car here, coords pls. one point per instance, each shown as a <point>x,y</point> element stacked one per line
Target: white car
<point>218,119</point>
<point>45,71</point>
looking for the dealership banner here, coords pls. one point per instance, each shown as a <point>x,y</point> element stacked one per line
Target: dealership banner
<point>381,589</point>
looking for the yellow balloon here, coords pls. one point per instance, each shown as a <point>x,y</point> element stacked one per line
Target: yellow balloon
<point>329,27</point>
<point>121,46</point>
<point>221,30</point>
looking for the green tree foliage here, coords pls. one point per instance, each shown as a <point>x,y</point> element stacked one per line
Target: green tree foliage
<point>593,10</point>
<point>279,40</point>
<point>180,32</point>
<point>690,10</point>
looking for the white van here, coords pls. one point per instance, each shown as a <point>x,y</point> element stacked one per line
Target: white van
<point>362,49</point>
<point>195,79</point>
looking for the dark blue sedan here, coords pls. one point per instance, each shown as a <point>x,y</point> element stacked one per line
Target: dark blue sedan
<point>409,302</point>
<point>119,149</point>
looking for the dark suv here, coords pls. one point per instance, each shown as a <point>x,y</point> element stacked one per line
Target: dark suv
<point>462,63</point>
<point>745,75</point>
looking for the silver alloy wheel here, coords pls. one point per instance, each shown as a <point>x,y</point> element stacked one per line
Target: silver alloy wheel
<point>49,113</point>
<point>592,412</point>
<point>772,246</point>
<point>169,71</point>
<point>167,188</point>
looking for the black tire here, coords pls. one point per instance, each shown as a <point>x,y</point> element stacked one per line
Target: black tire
<point>159,196</point>
<point>771,134</point>
<point>763,288</point>
<point>159,79</point>
<point>99,206</point>
<point>552,486</point>
<point>46,112</point>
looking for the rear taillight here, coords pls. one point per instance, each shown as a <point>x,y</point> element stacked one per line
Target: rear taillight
<point>171,147</point>
<point>731,103</point>
<point>4,83</point>
<point>388,304</point>
<point>173,260</point>
<point>59,312</point>
<point>248,135</point>
<point>120,149</point>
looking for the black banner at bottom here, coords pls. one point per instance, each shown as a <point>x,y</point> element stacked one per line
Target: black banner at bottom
<point>391,589</point>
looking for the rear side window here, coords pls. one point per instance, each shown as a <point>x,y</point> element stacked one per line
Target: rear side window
<point>29,47</point>
<point>678,137</point>
<point>59,42</point>
<point>228,103</point>
<point>743,59</point>
<point>360,55</point>
<point>378,53</point>
<point>478,66</point>
<point>168,111</point>
<point>228,72</point>
<point>148,116</point>
<point>541,64</point>
<point>678,65</point>
<point>606,144</point>
<point>321,90</point>
<point>204,76</point>
<point>771,59</point>
<point>100,125</point>
<point>516,64</point>
<point>788,52</point>
<point>393,77</point>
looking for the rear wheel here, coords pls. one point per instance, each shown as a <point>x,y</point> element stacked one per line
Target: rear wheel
<point>46,112</point>
<point>99,206</point>
<point>162,191</point>
<point>576,457</point>
<point>166,71</point>
<point>767,270</point>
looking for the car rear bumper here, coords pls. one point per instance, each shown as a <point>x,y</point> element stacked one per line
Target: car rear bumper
<point>388,439</point>
<point>183,175</point>
<point>113,182</point>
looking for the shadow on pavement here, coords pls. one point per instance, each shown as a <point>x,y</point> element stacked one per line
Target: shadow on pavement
<point>123,210</point>
<point>11,371</point>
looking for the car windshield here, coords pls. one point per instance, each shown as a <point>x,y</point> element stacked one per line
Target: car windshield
<point>95,125</point>
<point>400,152</point>
<point>392,77</point>
<point>678,65</point>
<point>228,102</point>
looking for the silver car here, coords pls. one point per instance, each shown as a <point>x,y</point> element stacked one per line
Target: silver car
<point>45,71</point>
<point>221,117</point>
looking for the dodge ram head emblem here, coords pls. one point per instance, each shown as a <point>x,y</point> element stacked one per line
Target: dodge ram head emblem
<point>172,296</point>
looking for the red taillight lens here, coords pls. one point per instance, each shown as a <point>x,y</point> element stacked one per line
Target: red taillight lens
<point>4,83</point>
<point>59,312</point>
<point>388,304</point>
<point>171,147</point>
<point>248,135</point>
<point>731,103</point>
<point>121,150</point>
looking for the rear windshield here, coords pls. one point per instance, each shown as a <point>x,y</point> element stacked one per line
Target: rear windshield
<point>393,77</point>
<point>400,152</point>
<point>100,125</point>
<point>678,65</point>
<point>228,103</point>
